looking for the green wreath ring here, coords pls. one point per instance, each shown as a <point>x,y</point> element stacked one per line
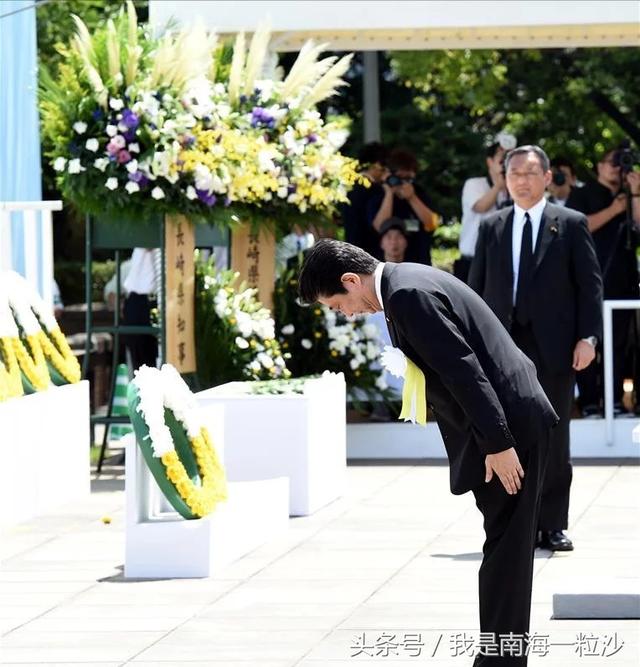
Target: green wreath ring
<point>176,447</point>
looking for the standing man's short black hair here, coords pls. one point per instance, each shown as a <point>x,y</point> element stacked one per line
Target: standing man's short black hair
<point>372,153</point>
<point>543,158</point>
<point>324,265</point>
<point>493,149</point>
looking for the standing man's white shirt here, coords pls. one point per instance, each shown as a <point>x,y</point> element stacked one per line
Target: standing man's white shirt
<point>535,213</point>
<point>143,272</point>
<point>473,190</point>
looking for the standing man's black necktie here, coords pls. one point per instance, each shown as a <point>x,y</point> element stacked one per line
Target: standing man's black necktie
<point>524,273</point>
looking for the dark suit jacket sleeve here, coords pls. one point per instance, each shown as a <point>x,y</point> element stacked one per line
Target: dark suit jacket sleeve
<point>588,281</point>
<point>478,264</point>
<point>431,332</point>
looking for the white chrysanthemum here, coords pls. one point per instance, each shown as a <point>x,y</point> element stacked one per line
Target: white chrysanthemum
<point>101,163</point>
<point>381,383</point>
<point>132,187</point>
<point>92,145</point>
<point>116,104</point>
<point>370,330</point>
<point>241,343</point>
<point>157,193</point>
<point>134,148</point>
<point>306,343</point>
<point>80,127</point>
<point>59,164</point>
<point>111,130</point>
<point>265,360</point>
<point>132,166</point>
<point>191,192</point>
<point>288,329</point>
<point>111,183</point>
<point>75,167</point>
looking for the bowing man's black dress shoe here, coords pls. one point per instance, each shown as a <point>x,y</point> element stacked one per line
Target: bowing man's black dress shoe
<point>554,540</point>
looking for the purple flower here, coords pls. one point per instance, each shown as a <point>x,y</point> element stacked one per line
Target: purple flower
<point>188,140</point>
<point>291,189</point>
<point>227,201</point>
<point>312,138</point>
<point>139,178</point>
<point>130,135</point>
<point>205,197</point>
<point>261,117</point>
<point>113,148</point>
<point>97,114</point>
<point>130,119</point>
<point>124,156</point>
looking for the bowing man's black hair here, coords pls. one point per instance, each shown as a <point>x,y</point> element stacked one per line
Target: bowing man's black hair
<point>324,265</point>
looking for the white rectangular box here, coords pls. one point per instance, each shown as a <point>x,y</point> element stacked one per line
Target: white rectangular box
<point>45,451</point>
<point>301,436</point>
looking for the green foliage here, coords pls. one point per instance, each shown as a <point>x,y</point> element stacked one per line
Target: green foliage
<point>234,332</point>
<point>70,278</point>
<point>574,102</point>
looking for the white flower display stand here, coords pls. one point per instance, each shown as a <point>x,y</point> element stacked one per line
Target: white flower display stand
<point>302,436</point>
<point>45,452</point>
<point>160,544</point>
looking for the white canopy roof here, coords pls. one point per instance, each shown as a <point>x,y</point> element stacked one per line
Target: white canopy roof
<point>361,26</point>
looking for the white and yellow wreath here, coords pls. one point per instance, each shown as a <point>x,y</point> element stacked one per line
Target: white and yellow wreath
<point>39,346</point>
<point>175,444</point>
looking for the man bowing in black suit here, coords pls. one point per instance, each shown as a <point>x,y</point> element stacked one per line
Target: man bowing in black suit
<point>535,265</point>
<point>494,417</point>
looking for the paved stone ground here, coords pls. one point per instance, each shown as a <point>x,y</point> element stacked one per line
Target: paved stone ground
<point>398,555</point>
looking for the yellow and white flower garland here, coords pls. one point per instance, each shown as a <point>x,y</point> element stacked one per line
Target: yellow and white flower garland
<point>10,379</point>
<point>164,388</point>
<point>29,337</point>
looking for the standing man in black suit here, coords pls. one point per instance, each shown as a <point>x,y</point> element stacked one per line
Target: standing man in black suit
<point>535,265</point>
<point>494,417</point>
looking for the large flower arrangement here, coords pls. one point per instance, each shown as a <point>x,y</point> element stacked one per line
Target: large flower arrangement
<point>235,334</point>
<point>140,123</point>
<point>319,339</point>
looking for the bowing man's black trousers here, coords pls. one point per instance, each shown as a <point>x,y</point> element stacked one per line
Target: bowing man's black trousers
<point>506,573</point>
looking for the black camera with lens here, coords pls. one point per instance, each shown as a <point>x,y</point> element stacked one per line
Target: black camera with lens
<point>558,177</point>
<point>393,180</point>
<point>625,157</point>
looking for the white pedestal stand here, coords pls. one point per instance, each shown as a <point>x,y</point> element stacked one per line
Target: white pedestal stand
<point>302,436</point>
<point>45,450</point>
<point>161,544</point>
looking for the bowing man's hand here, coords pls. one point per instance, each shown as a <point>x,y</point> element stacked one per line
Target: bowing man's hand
<point>506,465</point>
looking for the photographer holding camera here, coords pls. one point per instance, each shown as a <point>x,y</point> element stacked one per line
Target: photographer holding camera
<point>563,181</point>
<point>612,206</point>
<point>400,197</point>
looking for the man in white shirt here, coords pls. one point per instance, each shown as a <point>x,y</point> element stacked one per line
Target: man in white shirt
<point>480,196</point>
<point>141,286</point>
<point>535,265</point>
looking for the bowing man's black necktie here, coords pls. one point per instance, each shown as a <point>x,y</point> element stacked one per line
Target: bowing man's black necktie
<point>524,273</point>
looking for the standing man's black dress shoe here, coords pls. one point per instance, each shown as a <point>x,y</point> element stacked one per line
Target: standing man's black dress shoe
<point>554,540</point>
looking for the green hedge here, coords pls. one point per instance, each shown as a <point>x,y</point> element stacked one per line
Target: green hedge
<point>70,278</point>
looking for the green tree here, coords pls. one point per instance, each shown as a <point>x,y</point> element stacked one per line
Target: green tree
<point>448,105</point>
<point>577,102</point>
